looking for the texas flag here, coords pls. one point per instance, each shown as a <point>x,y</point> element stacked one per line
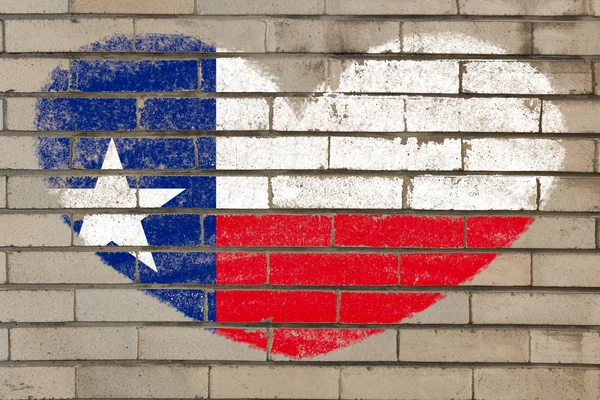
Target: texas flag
<point>262,205</point>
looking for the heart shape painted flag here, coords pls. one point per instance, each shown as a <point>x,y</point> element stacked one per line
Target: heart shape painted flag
<point>289,226</point>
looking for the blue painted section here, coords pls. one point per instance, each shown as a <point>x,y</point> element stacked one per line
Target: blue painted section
<point>134,75</point>
<point>53,152</point>
<point>172,229</point>
<point>117,43</point>
<point>142,76</point>
<point>180,114</point>
<point>212,306</point>
<point>189,302</point>
<point>181,268</point>
<point>200,191</point>
<point>207,152</point>
<point>76,114</point>
<point>210,230</point>
<point>158,43</point>
<point>137,153</point>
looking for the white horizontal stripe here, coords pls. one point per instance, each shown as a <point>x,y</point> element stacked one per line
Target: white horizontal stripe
<point>360,153</point>
<point>242,192</point>
<point>242,114</point>
<point>272,153</point>
<point>337,192</point>
<point>472,193</point>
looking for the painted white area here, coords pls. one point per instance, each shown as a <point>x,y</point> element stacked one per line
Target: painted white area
<point>339,113</point>
<point>248,153</point>
<point>472,193</point>
<point>382,154</point>
<point>242,114</point>
<point>114,192</point>
<point>514,155</point>
<point>239,75</point>
<point>505,77</point>
<point>400,76</point>
<point>336,192</point>
<point>242,192</point>
<point>553,120</point>
<point>448,43</point>
<point>441,114</point>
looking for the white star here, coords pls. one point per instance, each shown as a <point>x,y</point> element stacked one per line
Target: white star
<point>114,192</point>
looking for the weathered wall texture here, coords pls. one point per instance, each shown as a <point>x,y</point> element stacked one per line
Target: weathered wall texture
<point>311,199</point>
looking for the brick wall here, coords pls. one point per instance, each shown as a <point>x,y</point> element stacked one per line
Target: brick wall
<point>394,199</point>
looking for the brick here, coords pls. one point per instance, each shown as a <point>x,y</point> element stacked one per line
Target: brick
<point>538,77</point>
<point>570,347</point>
<point>133,7</point>
<point>242,114</point>
<point>517,7</point>
<point>79,343</point>
<point>567,270</point>
<point>452,309</point>
<point>34,7</point>
<point>595,7</point>
<point>23,383</point>
<point>36,306</point>
<point>377,154</point>
<point>34,230</point>
<point>405,383</point>
<point>243,192</point>
<point>65,35</point>
<point>339,113</point>
<point>324,36</point>
<point>260,7</point>
<point>29,74</point>
<point>569,194</point>
<point>530,383</point>
<point>193,343</point>
<point>568,38</point>
<point>466,37</point>
<point>224,35</point>
<point>375,345</point>
<point>56,267</point>
<point>528,155</point>
<point>4,344</point>
<point>394,76</point>
<point>431,114</point>
<point>505,270</point>
<point>33,192</point>
<point>337,192</point>
<point>241,153</point>
<point>472,193</point>
<point>568,116</point>
<point>543,233</point>
<point>463,345</point>
<point>142,381</point>
<point>271,75</point>
<point>396,7</point>
<point>124,305</point>
<point>263,382</point>
<point>535,308</point>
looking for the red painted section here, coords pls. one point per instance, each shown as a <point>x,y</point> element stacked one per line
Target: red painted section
<point>272,306</point>
<point>491,232</point>
<point>398,231</point>
<point>333,269</point>
<point>307,343</point>
<point>274,230</point>
<point>383,308</point>
<point>241,268</point>
<point>441,269</point>
<point>254,339</point>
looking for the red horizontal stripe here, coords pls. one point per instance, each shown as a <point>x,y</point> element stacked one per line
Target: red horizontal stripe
<point>241,269</point>
<point>274,230</point>
<point>272,306</point>
<point>333,269</point>
<point>441,269</point>
<point>306,343</point>
<point>383,308</point>
<point>490,232</point>
<point>398,231</point>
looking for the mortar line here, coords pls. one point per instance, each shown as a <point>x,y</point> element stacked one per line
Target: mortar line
<point>340,369</point>
<point>531,38</point>
<point>458,11</point>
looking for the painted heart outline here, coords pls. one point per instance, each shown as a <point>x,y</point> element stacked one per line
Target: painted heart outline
<point>425,270</point>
